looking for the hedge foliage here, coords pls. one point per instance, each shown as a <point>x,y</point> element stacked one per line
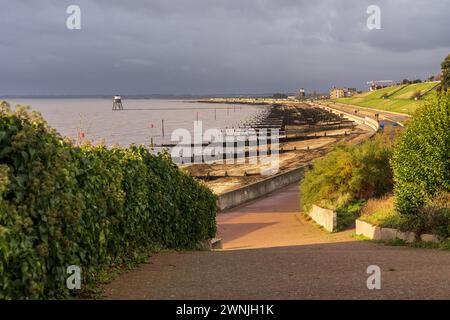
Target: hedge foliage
<point>421,160</point>
<point>349,173</point>
<point>90,206</point>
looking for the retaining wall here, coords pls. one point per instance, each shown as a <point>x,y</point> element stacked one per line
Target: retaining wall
<point>374,232</point>
<point>255,190</point>
<point>324,217</point>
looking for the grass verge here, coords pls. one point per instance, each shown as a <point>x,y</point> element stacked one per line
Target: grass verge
<point>444,245</point>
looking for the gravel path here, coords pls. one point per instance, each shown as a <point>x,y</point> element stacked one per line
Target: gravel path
<point>271,252</point>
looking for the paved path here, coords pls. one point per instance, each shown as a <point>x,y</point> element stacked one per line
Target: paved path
<point>386,116</point>
<point>273,221</point>
<point>271,252</point>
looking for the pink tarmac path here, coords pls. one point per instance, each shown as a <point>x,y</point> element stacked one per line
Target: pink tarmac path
<point>273,221</point>
<point>271,252</point>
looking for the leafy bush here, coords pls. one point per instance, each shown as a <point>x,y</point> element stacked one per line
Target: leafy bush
<point>90,206</point>
<point>421,156</point>
<point>433,217</point>
<point>445,66</point>
<point>347,214</point>
<point>349,173</point>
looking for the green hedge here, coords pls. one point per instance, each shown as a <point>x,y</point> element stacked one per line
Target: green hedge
<point>421,160</point>
<point>91,206</point>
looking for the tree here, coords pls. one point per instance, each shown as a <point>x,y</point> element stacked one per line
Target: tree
<point>349,173</point>
<point>420,161</point>
<point>445,66</point>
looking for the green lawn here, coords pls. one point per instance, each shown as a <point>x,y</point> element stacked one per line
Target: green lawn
<point>399,98</point>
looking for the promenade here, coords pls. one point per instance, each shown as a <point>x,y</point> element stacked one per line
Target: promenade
<point>271,252</point>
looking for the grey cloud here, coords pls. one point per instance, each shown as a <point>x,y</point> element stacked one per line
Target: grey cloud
<point>222,46</point>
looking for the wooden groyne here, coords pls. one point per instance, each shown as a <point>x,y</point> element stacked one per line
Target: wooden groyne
<point>279,124</point>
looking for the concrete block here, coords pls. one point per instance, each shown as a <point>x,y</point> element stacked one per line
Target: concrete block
<point>216,243</point>
<point>388,234</point>
<point>409,237</point>
<point>429,238</point>
<point>377,233</point>
<point>368,230</point>
<point>324,217</point>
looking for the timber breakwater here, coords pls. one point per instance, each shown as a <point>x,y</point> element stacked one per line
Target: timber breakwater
<point>304,132</point>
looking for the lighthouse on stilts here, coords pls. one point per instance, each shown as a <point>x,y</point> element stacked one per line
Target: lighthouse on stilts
<point>117,103</point>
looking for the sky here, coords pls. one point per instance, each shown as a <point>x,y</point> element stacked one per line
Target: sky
<point>216,46</point>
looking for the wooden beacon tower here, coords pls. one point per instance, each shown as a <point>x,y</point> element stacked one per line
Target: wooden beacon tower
<point>117,103</point>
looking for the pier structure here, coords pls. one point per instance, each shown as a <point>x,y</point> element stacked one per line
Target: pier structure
<point>117,103</point>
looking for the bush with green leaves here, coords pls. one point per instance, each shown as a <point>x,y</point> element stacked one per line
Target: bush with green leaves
<point>349,173</point>
<point>90,206</point>
<point>421,159</point>
<point>432,218</point>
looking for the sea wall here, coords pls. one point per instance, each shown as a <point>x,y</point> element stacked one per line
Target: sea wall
<point>371,123</point>
<point>255,190</point>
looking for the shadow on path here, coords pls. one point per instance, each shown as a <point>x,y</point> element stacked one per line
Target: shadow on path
<point>324,271</point>
<point>272,252</point>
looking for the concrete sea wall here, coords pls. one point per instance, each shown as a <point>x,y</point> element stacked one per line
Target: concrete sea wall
<point>255,190</point>
<point>258,189</point>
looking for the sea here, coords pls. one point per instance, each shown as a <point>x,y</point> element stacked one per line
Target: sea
<point>141,122</point>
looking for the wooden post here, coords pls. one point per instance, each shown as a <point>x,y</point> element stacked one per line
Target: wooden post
<point>162,127</point>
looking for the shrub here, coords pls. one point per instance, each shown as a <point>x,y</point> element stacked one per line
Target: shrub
<point>349,173</point>
<point>445,66</point>
<point>90,206</point>
<point>433,217</point>
<point>347,214</point>
<point>421,156</point>
<point>381,211</point>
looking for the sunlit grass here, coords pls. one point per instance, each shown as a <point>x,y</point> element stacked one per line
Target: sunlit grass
<point>381,212</point>
<point>399,98</point>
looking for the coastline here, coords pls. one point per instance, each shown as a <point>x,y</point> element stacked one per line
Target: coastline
<point>303,142</point>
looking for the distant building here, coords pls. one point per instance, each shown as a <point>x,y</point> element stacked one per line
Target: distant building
<point>301,93</point>
<point>337,93</point>
<point>350,92</point>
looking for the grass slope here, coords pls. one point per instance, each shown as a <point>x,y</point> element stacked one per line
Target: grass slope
<point>399,98</point>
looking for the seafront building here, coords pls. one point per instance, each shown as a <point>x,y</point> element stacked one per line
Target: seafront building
<point>336,93</point>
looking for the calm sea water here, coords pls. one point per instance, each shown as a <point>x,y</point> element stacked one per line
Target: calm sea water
<point>139,123</point>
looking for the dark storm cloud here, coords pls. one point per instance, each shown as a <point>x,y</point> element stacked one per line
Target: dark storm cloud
<point>220,46</point>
